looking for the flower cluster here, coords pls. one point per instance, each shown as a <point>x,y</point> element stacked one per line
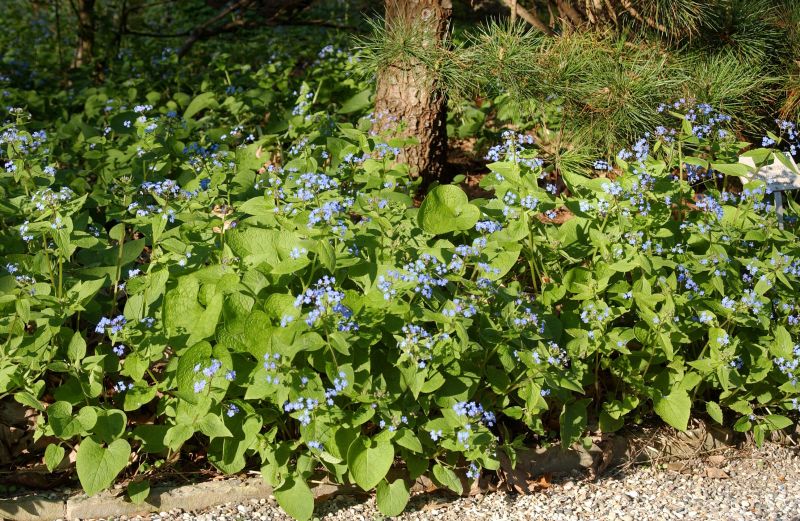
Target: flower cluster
<point>512,148</point>
<point>425,273</point>
<point>473,410</point>
<point>167,189</point>
<point>114,324</point>
<point>417,344</point>
<point>47,199</point>
<point>790,368</point>
<point>326,302</point>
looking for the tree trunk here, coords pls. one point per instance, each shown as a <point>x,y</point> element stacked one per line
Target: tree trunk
<point>410,95</point>
<point>84,51</point>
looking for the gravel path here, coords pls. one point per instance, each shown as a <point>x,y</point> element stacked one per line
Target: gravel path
<point>761,484</point>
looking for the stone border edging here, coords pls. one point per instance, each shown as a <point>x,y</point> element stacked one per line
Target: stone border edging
<point>614,451</point>
<point>196,496</point>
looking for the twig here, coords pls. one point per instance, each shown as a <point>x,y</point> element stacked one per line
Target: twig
<point>567,10</point>
<point>133,32</point>
<point>529,17</point>
<point>203,31</point>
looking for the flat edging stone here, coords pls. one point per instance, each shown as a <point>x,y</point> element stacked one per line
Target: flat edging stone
<point>197,496</point>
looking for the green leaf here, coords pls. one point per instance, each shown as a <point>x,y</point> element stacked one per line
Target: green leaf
<point>392,498</point>
<point>326,254</point>
<point>198,353</point>
<point>139,395</point>
<point>733,169</point>
<point>76,349</point>
<point>98,466</point>
<point>610,424</point>
<point>783,346</point>
<point>674,408</point>
<point>65,425</point>
<point>53,455</point>
<point>446,209</point>
<point>177,435</point>
<point>417,466</point>
<point>775,422</point>
<point>342,440</point>
<point>447,478</point>
<point>202,101</point>
<point>152,437</point>
<point>759,432</point>
<point>295,498</point>
<point>208,319</point>
<point>29,400</point>
<point>368,461</point>
<point>138,491</point>
<point>212,426</point>
<point>181,309</point>
<point>786,161</point>
<point>406,438</point>
<point>715,411</point>
<point>573,421</point>
<point>228,453</point>
<point>358,102</point>
<point>110,425</point>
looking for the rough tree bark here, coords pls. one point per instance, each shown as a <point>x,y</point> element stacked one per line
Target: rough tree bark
<point>407,93</point>
<point>84,51</point>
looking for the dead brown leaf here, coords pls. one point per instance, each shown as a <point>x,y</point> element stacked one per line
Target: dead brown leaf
<point>715,473</point>
<point>434,504</point>
<point>717,460</point>
<point>544,482</point>
<point>676,466</point>
<point>221,211</point>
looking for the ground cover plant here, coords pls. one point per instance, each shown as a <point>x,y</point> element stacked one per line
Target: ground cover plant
<point>244,274</point>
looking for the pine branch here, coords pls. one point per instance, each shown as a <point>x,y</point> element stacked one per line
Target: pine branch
<point>626,4</point>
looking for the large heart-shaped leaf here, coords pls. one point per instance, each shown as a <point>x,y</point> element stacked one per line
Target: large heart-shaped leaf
<point>446,209</point>
<point>448,478</point>
<point>110,425</point>
<point>295,498</point>
<point>573,421</point>
<point>138,491</point>
<point>98,466</point>
<point>674,408</point>
<point>392,498</point>
<point>369,461</point>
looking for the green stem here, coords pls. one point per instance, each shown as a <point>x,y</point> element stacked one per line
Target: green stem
<point>118,268</point>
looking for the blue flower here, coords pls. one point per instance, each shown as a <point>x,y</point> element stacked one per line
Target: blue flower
<point>602,165</point>
<point>296,253</point>
<point>327,302</point>
<point>488,226</point>
<point>122,386</point>
<point>115,324</point>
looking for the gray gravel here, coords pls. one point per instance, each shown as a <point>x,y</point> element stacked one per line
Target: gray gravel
<point>757,484</point>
